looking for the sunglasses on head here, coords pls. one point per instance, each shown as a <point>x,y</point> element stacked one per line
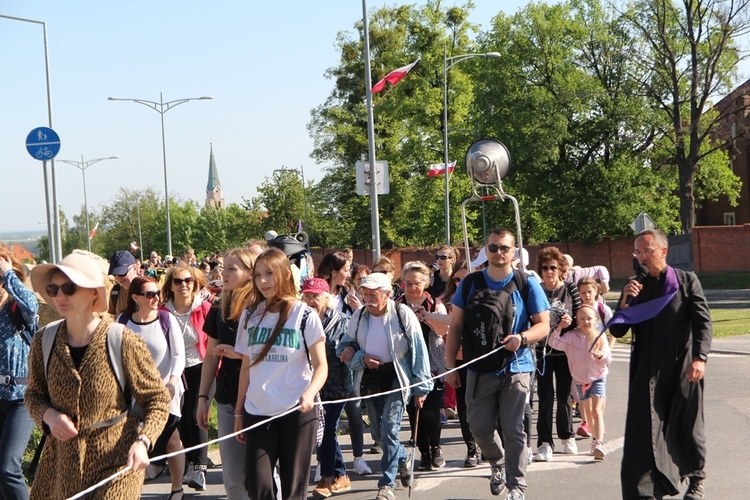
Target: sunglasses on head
<point>180,281</point>
<point>441,257</point>
<point>494,248</point>
<point>549,268</point>
<point>68,289</point>
<point>150,294</point>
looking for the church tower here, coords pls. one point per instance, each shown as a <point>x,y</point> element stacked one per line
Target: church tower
<point>214,193</point>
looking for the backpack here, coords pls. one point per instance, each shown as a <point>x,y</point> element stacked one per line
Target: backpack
<point>600,307</point>
<point>164,320</point>
<point>398,316</point>
<point>26,331</point>
<point>488,318</point>
<point>114,353</point>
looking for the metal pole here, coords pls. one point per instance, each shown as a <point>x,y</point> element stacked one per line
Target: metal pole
<point>304,202</point>
<point>140,235</point>
<point>374,216</point>
<point>50,229</point>
<point>166,187</point>
<point>445,147</point>
<point>86,204</point>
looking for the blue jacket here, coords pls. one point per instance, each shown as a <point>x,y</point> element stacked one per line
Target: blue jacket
<point>14,351</point>
<point>408,349</point>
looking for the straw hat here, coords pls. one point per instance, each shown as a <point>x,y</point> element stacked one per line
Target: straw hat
<point>80,269</point>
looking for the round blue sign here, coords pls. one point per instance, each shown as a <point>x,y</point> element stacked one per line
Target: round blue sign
<point>43,143</point>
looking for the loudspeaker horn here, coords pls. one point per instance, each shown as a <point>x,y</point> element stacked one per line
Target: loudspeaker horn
<point>302,237</point>
<point>487,162</point>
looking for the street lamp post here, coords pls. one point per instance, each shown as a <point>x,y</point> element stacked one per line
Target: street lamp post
<point>83,165</point>
<point>162,107</point>
<point>301,173</point>
<point>448,63</point>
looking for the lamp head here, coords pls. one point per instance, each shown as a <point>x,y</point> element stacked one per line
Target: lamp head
<point>487,162</point>
<point>115,98</point>
<point>492,54</point>
<point>206,97</point>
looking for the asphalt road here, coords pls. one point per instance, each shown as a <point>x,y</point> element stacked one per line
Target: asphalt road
<point>727,409</point>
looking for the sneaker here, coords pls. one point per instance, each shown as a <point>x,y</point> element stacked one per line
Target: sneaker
<point>583,430</point>
<point>570,447</point>
<point>443,418</point>
<point>153,471</point>
<point>437,457</point>
<point>497,480</point>
<point>543,453</point>
<point>404,470</point>
<point>695,489</point>
<point>360,467</point>
<point>376,450</point>
<point>598,451</point>
<point>341,484</point>
<point>198,481</point>
<point>472,459</point>
<point>317,477</point>
<point>385,493</point>
<point>425,462</point>
<point>515,495</point>
<point>188,475</point>
<point>450,412</point>
<point>529,456</point>
<point>323,489</point>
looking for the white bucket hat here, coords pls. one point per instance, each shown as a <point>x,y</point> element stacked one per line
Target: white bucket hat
<point>80,269</point>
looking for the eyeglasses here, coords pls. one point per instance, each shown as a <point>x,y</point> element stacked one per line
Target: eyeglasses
<point>150,294</point>
<point>180,281</point>
<point>549,268</point>
<point>68,289</point>
<point>441,257</point>
<point>647,251</point>
<point>492,248</point>
<point>412,284</point>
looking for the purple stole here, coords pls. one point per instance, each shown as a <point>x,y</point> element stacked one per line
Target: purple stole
<point>640,312</point>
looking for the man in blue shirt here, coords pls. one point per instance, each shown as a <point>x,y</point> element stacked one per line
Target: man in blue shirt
<point>501,395</point>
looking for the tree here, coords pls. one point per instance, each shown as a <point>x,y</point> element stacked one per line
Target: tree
<point>688,54</point>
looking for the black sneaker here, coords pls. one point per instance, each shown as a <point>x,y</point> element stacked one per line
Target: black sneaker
<point>404,470</point>
<point>472,459</point>
<point>497,480</point>
<point>437,457</point>
<point>695,489</point>
<point>376,450</point>
<point>425,462</point>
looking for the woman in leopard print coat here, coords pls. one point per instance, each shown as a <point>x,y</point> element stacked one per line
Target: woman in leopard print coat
<point>80,390</point>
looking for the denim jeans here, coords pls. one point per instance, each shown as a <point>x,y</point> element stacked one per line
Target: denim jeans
<point>15,430</point>
<point>329,451</point>
<point>232,455</point>
<point>385,420</point>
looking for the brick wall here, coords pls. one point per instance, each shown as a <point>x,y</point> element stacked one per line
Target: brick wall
<point>721,248</point>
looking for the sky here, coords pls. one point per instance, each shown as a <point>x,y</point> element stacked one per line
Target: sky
<point>263,62</point>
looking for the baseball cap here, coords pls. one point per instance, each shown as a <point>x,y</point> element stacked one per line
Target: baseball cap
<point>376,281</point>
<point>314,285</point>
<point>120,262</point>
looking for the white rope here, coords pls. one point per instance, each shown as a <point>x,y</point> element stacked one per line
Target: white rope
<point>287,412</point>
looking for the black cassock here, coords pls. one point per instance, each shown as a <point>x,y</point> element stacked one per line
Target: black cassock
<point>664,438</point>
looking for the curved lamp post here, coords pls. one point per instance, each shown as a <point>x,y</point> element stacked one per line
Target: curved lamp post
<point>82,166</point>
<point>448,63</point>
<point>162,107</point>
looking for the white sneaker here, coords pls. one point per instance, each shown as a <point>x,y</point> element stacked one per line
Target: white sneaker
<point>529,455</point>
<point>318,477</point>
<point>598,450</point>
<point>570,447</point>
<point>543,453</point>
<point>360,467</point>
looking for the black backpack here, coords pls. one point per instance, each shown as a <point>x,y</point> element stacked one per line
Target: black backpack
<point>488,318</point>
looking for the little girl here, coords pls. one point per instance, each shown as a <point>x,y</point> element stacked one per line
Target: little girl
<point>589,370</point>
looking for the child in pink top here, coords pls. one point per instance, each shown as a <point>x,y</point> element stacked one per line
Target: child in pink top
<point>589,370</point>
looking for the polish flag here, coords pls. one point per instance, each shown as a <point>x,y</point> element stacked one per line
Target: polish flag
<point>438,169</point>
<point>394,76</point>
<point>133,246</point>
<point>93,231</point>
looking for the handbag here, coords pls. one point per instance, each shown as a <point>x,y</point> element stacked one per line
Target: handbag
<point>320,412</point>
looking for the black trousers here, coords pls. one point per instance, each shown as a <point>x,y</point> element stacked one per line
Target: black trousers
<point>471,445</point>
<point>554,376</point>
<point>190,433</point>
<point>430,426</point>
<point>288,440</point>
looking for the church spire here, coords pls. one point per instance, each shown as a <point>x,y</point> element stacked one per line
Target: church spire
<point>214,193</point>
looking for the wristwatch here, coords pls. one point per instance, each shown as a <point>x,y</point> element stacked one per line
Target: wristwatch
<point>524,342</point>
<point>143,439</point>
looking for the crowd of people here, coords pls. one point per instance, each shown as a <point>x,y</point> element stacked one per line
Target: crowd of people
<point>273,347</point>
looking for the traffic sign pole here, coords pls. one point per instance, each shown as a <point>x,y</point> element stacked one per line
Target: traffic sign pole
<point>43,144</point>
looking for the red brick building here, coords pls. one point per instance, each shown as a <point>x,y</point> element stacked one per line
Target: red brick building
<point>735,129</point>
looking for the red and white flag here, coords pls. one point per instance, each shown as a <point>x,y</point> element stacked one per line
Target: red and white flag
<point>438,169</point>
<point>133,246</point>
<point>394,77</point>
<point>93,231</point>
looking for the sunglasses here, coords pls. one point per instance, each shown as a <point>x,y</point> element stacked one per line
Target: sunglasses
<point>549,268</point>
<point>68,289</point>
<point>180,281</point>
<point>456,280</point>
<point>380,272</point>
<point>150,294</point>
<point>494,248</point>
<point>412,284</point>
<point>441,257</point>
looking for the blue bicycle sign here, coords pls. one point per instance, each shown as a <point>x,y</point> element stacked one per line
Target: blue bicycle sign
<point>43,143</point>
